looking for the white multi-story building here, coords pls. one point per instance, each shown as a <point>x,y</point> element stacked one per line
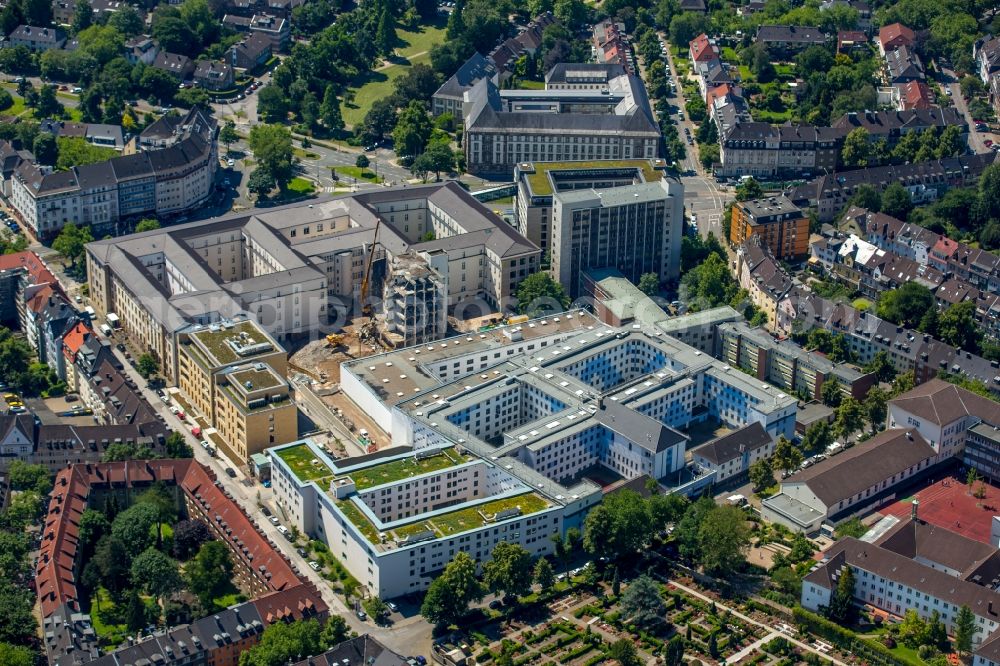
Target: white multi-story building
<point>920,567</point>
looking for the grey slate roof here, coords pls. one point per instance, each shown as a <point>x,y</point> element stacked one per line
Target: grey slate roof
<point>472,70</point>
<point>721,450</point>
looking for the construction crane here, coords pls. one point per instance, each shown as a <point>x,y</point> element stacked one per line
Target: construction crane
<point>368,331</point>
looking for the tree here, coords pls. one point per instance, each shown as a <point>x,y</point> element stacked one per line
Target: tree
<point>875,408</point>
<point>329,110</point>
<point>173,34</point>
<point>539,295</point>
<point>649,283</point>
<point>176,446</point>
<point>850,417</point>
<point>25,476</point>
<point>362,162</point>
<point>127,21</point>
<point>228,135</point>
<point>957,326</point>
<point>148,224</point>
<point>93,525</point>
<point>450,594</point>
<point>881,366</point>
<point>896,201</point>
<point>903,383</point>
<point>761,474</point>
<point>71,241</point>
<point>209,573</point>
<point>335,631</point>
<point>867,197</point>
<point>641,602</point>
<point>385,37</point>
<point>133,528</point>
<point>544,576</point>
<point>749,189</point>
<point>147,365</point>
<point>841,609</point>
<point>83,16</point>
<point>379,121</point>
<point>260,183</point>
<point>16,655</point>
<point>437,158</point>
<point>675,651</point>
<point>46,149</point>
<point>787,457</point>
<point>831,392</point>
<point>723,538</point>
<point>965,629</point>
<point>272,105</point>
<point>709,284</point>
<point>155,573</point>
<point>188,537</point>
<point>620,525</point>
<point>412,130</point>
<point>509,570</point>
<point>272,147</point>
<point>856,149</point>
<point>135,613</point>
<point>285,642</point>
<point>624,652</point>
<point>907,305</point>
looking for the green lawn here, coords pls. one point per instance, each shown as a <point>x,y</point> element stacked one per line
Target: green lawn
<point>377,84</point>
<point>231,599</point>
<point>357,174</point>
<point>531,85</point>
<point>105,619</point>
<point>304,154</point>
<point>301,186</point>
<point>728,54</point>
<point>301,461</point>
<point>472,517</point>
<point>397,470</point>
<point>746,76</point>
<point>773,117</point>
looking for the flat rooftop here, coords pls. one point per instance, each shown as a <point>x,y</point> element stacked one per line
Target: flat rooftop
<point>304,463</point>
<point>541,185</point>
<point>413,464</point>
<point>254,379</point>
<point>444,522</point>
<point>232,342</point>
<point>762,209</point>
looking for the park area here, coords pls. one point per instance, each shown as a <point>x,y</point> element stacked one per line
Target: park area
<point>414,48</point>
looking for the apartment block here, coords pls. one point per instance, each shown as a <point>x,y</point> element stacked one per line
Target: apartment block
<point>920,567</point>
<point>253,409</point>
<point>781,226</point>
<point>537,182</point>
<point>586,112</point>
<point>731,455</point>
<point>636,229</point>
<point>787,365</point>
<point>415,301</point>
<point>168,169</point>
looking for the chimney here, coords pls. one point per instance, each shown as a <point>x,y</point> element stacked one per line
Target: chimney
<point>914,509</point>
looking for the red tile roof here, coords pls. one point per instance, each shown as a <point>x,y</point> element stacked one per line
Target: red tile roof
<point>702,50</point>
<point>75,337</point>
<point>894,35</point>
<point>30,262</point>
<point>915,95</point>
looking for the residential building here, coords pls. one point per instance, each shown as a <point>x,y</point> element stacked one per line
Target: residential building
<point>843,485</point>
<point>786,364</point>
<point>260,571</point>
<point>914,96</point>
<point>903,66</point>
<point>106,136</point>
<point>781,226</point>
<point>37,39</point>
<point>586,112</point>
<point>925,181</point>
<point>611,45</point>
<point>986,54</point>
<point>450,97</point>
<point>23,275</point>
<point>168,169</point>
<point>291,267</point>
<point>703,49</point>
<point>789,39</point>
<point>179,66</point>
<point>636,229</point>
<point>277,29</point>
<point>765,151</point>
<point>141,49</point>
<point>920,567</point>
<point>894,36</point>
<point>251,52</point>
<point>893,125</point>
<point>851,40</point>
<point>213,74</point>
<point>362,649</point>
<point>765,280</point>
<point>537,182</point>
<point>527,42</point>
<point>731,455</point>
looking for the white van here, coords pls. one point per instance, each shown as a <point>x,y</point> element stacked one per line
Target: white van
<point>106,330</point>
<point>736,500</point>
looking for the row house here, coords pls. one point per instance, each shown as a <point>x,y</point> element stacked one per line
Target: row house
<point>787,40</point>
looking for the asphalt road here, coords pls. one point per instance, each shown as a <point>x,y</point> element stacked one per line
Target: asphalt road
<point>976,139</point>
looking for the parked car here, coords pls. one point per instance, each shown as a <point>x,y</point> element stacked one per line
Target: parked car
<point>302,552</point>
<point>391,605</point>
<point>314,565</point>
<point>274,520</point>
<point>264,510</point>
<point>362,615</point>
<point>231,472</point>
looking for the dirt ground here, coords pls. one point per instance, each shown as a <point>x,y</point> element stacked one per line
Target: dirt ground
<point>322,362</point>
<point>764,555</point>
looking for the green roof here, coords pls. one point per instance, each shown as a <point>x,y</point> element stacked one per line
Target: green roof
<point>259,379</point>
<point>404,468</point>
<point>304,463</point>
<point>541,186</point>
<point>214,342</point>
